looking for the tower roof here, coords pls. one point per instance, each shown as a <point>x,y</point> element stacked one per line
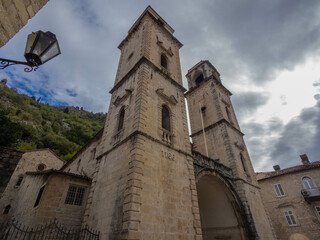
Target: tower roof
<point>157,18</point>
<point>153,13</point>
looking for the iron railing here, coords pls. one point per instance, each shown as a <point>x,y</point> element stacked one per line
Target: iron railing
<point>52,230</point>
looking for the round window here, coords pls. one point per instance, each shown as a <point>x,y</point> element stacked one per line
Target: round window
<point>41,167</point>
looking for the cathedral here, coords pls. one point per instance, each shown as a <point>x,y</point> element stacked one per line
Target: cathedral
<point>140,177</point>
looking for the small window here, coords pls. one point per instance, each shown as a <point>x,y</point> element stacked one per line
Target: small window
<point>243,163</point>
<point>199,79</point>
<point>279,190</point>
<point>308,184</point>
<point>41,167</point>
<point>164,61</point>
<point>121,119</point>
<point>39,196</point>
<point>75,195</point>
<point>317,210</point>
<point>229,115</point>
<point>165,118</point>
<point>19,181</point>
<point>290,218</point>
<point>7,209</point>
<point>130,56</point>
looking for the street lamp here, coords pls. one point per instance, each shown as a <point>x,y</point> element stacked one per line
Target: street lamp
<point>40,48</point>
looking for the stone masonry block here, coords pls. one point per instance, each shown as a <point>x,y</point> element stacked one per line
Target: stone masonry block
<point>134,175</point>
<point>136,163</point>
<point>130,225</point>
<point>132,198</point>
<point>131,216</point>
<point>131,235</point>
<point>24,16</point>
<point>132,190</point>
<point>30,11</point>
<point>131,207</point>
<point>135,183</point>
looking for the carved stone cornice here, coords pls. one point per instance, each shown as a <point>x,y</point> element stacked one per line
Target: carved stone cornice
<point>239,146</point>
<point>167,50</point>
<point>170,99</point>
<point>119,99</point>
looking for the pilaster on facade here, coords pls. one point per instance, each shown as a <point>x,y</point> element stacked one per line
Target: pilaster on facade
<point>90,195</point>
<point>132,194</point>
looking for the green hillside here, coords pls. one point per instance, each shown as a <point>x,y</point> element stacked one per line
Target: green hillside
<point>26,123</point>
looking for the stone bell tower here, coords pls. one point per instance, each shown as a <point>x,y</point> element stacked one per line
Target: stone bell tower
<point>144,186</point>
<point>216,135</point>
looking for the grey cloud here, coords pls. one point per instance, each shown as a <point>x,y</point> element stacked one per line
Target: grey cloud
<point>253,38</point>
<point>247,102</point>
<point>300,135</point>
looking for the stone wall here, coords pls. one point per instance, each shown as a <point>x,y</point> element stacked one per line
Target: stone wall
<point>84,162</point>
<point>52,203</point>
<point>29,161</point>
<point>9,159</point>
<point>14,14</point>
<point>308,220</point>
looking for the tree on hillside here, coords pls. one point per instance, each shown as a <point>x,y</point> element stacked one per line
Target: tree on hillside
<point>10,131</point>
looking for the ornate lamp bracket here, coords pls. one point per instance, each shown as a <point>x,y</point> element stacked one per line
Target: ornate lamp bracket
<point>31,66</point>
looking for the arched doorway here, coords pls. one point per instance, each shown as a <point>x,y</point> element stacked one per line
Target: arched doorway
<point>219,211</point>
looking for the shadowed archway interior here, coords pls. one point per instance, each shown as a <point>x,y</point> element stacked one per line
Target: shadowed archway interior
<point>219,214</point>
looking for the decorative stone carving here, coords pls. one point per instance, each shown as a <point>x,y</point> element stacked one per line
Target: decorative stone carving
<point>239,146</point>
<point>170,99</point>
<point>167,50</point>
<point>119,100</point>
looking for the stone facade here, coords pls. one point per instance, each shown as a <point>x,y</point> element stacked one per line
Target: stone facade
<point>14,14</point>
<point>9,159</point>
<point>216,136</point>
<point>52,203</point>
<point>34,160</point>
<point>294,198</point>
<point>140,177</point>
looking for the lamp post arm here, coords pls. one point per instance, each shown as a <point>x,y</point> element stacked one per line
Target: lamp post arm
<point>8,62</point>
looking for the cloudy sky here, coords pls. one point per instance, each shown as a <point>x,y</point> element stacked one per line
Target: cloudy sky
<point>267,52</point>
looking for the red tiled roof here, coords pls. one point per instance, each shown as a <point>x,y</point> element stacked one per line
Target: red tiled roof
<point>299,168</point>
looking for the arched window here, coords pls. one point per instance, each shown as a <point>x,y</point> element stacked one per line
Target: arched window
<point>308,184</point>
<point>19,181</point>
<point>165,118</point>
<point>164,61</point>
<point>199,79</point>
<point>229,115</point>
<point>121,119</point>
<point>6,209</point>
<point>243,163</point>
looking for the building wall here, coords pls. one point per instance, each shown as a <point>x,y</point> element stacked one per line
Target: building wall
<point>9,159</point>
<point>224,142</point>
<point>308,222</point>
<point>85,162</point>
<point>14,14</point>
<point>52,204</point>
<point>144,186</point>
<point>28,162</point>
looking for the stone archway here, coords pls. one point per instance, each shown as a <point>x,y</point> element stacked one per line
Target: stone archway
<point>219,211</point>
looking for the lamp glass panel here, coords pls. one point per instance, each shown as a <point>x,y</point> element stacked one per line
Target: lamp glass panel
<point>50,53</point>
<point>31,38</point>
<point>42,44</point>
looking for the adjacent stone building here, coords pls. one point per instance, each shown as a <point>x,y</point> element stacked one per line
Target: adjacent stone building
<point>15,166</point>
<point>292,199</point>
<point>140,177</point>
